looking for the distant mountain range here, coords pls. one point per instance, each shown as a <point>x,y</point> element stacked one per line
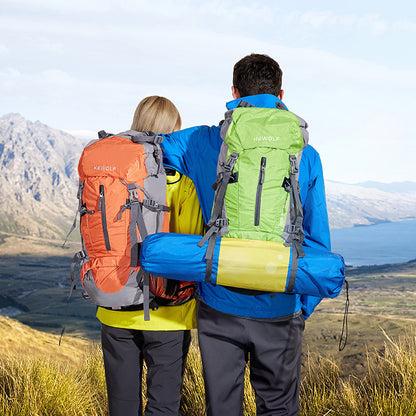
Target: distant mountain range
<point>38,185</point>
<point>38,178</point>
<point>405,187</point>
<point>369,203</point>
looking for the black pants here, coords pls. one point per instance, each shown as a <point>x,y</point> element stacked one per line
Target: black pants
<point>227,341</point>
<point>165,355</point>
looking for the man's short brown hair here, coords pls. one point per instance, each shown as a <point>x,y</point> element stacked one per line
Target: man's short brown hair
<point>257,74</point>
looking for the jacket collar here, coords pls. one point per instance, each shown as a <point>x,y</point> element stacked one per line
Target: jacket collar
<point>261,100</point>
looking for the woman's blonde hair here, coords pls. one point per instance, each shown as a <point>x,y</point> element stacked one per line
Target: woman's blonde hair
<point>156,114</point>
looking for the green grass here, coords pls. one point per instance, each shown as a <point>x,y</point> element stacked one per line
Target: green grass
<point>39,386</point>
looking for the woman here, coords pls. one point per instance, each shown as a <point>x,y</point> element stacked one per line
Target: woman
<point>163,342</point>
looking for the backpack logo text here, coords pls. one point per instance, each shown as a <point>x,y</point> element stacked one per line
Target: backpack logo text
<point>106,168</point>
<point>266,139</point>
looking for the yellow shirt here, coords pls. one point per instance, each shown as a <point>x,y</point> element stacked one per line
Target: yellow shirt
<point>185,217</point>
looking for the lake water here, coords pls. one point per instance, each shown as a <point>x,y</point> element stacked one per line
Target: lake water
<point>393,242</point>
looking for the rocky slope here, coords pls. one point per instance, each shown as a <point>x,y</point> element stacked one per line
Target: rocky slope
<point>38,185</point>
<point>37,178</point>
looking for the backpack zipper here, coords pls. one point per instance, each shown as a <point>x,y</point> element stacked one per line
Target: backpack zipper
<point>101,207</point>
<point>259,189</point>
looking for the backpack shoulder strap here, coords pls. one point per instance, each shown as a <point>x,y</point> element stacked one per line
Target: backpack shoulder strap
<point>142,136</point>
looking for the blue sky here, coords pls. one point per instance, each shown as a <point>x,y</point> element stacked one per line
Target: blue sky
<point>349,68</point>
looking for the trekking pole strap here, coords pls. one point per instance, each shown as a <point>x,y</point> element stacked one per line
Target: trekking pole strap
<point>74,278</point>
<point>80,210</point>
<point>344,333</point>
<point>75,260</point>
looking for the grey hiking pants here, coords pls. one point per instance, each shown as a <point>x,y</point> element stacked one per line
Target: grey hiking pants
<point>274,349</point>
<point>165,355</point>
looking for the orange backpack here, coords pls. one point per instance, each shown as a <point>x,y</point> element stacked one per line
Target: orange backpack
<point>122,194</point>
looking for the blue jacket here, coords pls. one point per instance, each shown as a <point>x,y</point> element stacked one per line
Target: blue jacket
<point>194,152</point>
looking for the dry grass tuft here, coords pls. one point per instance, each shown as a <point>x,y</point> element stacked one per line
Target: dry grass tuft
<point>42,379</point>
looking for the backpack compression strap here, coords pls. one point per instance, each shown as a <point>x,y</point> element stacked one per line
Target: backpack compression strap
<point>136,208</point>
<point>293,233</point>
<point>216,223</point>
<point>137,220</point>
<point>135,136</point>
<point>82,209</point>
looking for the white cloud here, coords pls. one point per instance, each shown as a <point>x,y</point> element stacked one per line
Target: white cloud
<point>80,66</point>
<point>56,76</point>
<point>372,23</point>
<point>9,78</point>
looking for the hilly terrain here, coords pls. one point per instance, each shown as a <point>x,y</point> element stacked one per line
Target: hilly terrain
<point>38,184</point>
<point>34,287</point>
<point>370,203</point>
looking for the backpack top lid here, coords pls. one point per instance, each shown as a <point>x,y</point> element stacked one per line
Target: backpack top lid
<point>253,127</point>
<point>119,156</point>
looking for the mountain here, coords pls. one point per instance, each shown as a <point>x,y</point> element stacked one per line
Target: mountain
<point>405,187</point>
<point>351,205</point>
<point>38,184</point>
<point>37,178</point>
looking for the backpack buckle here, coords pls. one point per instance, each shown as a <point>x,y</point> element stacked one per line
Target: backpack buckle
<point>221,222</point>
<point>151,204</point>
<point>293,164</point>
<point>133,194</point>
<point>83,210</point>
<point>286,184</point>
<point>298,235</point>
<point>229,165</point>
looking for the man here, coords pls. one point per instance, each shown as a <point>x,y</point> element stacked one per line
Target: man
<point>234,327</point>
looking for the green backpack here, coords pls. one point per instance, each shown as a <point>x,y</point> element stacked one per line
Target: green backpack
<point>257,189</point>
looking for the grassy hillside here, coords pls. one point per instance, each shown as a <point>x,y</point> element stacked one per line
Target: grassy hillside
<point>17,339</point>
<point>34,276</point>
<point>38,377</point>
<point>374,375</point>
<point>382,299</point>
